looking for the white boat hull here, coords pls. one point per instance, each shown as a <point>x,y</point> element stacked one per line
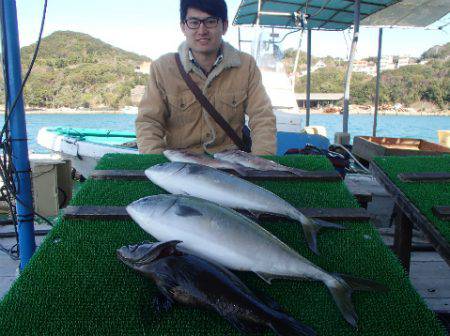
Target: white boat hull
<point>83,154</point>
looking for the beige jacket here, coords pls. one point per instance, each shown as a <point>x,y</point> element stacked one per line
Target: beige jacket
<point>171,117</point>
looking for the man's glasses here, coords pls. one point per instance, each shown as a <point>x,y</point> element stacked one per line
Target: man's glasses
<point>209,22</point>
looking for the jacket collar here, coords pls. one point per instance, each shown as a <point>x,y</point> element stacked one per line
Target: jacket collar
<point>230,59</point>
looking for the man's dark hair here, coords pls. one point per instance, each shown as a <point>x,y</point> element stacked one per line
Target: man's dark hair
<point>217,8</point>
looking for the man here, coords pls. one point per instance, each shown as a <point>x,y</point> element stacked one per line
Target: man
<point>169,115</point>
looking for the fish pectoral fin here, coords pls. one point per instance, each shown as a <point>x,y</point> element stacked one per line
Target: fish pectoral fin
<point>187,211</point>
<point>196,169</point>
<point>244,326</point>
<point>330,225</point>
<point>266,277</point>
<point>255,214</point>
<point>162,303</point>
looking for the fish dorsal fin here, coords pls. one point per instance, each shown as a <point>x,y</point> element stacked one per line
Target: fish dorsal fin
<point>187,211</point>
<point>161,250</point>
<point>195,168</point>
<point>266,277</point>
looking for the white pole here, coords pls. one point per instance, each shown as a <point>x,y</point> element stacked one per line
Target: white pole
<point>348,76</point>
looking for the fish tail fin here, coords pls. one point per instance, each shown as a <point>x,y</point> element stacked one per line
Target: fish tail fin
<point>312,226</point>
<point>310,230</point>
<point>285,325</point>
<point>361,284</point>
<point>342,289</point>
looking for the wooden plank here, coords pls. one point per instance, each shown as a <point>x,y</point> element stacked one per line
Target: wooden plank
<point>403,238</point>
<point>11,234</point>
<point>120,213</point>
<point>440,305</point>
<point>443,212</point>
<point>425,177</point>
<point>5,284</point>
<point>413,213</point>
<point>305,176</point>
<point>8,266</point>
<point>438,288</point>
<point>255,175</point>
<point>369,147</point>
<point>96,212</point>
<point>364,148</point>
<point>430,270</point>
<point>130,175</point>
<point>428,257</point>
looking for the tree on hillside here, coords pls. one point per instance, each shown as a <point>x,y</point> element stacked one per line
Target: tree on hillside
<point>437,52</point>
<point>77,70</point>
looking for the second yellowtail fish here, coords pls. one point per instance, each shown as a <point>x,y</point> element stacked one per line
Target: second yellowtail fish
<point>230,191</point>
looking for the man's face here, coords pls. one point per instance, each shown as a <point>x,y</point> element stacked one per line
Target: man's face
<point>203,40</point>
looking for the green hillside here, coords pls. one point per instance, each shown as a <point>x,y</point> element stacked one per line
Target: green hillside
<point>77,70</point>
<point>438,52</point>
<point>407,85</point>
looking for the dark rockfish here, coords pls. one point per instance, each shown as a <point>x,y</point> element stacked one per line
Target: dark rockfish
<point>193,281</point>
<point>255,162</point>
<point>182,155</point>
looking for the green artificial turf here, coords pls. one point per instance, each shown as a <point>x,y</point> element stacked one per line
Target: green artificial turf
<point>74,284</point>
<point>424,195</point>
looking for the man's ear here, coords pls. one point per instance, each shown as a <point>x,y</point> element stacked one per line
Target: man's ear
<point>183,27</point>
<point>225,27</point>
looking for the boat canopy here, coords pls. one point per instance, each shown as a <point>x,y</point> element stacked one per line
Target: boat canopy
<point>319,14</point>
<point>409,13</point>
<point>339,14</point>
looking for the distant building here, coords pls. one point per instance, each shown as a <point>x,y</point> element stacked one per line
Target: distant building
<point>365,66</point>
<point>403,61</point>
<point>387,63</point>
<point>143,68</point>
<point>319,65</point>
<point>318,99</point>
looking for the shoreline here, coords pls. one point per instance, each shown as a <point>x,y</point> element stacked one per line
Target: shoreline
<point>354,110</point>
<point>380,113</point>
<point>73,111</point>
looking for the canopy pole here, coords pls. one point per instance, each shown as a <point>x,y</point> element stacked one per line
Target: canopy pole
<point>239,38</point>
<point>348,76</point>
<point>258,15</point>
<point>308,78</point>
<point>17,125</point>
<point>297,58</point>
<point>377,89</point>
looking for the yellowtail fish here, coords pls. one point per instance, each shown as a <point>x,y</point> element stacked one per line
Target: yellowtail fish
<point>226,237</point>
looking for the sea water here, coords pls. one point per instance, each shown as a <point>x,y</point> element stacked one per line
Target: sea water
<point>422,127</point>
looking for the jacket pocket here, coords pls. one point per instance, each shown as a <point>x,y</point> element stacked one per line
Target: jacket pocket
<point>232,107</point>
<point>183,108</point>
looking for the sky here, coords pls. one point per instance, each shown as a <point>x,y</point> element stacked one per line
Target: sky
<point>151,28</point>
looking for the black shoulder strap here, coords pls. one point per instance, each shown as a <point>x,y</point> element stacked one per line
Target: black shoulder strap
<point>208,106</point>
